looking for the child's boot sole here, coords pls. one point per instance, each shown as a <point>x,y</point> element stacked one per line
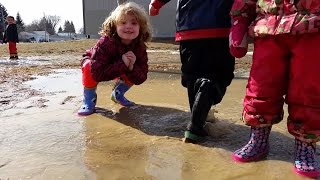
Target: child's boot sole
<point>189,137</point>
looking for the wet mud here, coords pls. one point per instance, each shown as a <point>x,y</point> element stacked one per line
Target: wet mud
<point>42,137</point>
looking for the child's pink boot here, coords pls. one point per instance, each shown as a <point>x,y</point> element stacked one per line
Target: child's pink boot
<point>257,147</point>
<point>305,163</point>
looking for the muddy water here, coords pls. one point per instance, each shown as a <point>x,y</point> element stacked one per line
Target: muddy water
<point>43,138</point>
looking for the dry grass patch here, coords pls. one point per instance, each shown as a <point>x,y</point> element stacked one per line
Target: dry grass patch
<point>66,54</point>
<point>69,47</point>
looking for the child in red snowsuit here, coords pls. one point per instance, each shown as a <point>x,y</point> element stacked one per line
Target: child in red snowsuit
<point>285,68</point>
<point>11,36</point>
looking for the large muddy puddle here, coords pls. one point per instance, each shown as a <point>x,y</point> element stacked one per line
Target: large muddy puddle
<point>42,137</point>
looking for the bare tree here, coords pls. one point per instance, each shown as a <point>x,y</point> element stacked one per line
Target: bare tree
<point>81,30</point>
<point>34,26</point>
<point>53,20</point>
<point>46,23</point>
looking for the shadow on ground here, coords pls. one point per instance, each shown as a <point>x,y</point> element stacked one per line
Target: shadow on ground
<point>225,134</point>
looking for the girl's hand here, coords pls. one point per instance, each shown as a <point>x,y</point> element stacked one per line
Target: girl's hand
<point>126,60</point>
<point>131,57</point>
<point>153,11</point>
<point>238,38</point>
<point>154,7</point>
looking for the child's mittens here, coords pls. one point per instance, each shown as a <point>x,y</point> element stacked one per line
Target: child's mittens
<point>153,11</point>
<point>238,39</point>
<point>154,7</point>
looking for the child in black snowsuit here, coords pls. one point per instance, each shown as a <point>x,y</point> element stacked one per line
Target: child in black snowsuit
<point>202,30</point>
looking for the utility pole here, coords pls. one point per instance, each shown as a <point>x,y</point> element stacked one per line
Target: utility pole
<point>84,16</point>
<point>45,27</point>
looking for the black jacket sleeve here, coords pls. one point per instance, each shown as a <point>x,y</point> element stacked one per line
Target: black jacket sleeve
<point>11,33</point>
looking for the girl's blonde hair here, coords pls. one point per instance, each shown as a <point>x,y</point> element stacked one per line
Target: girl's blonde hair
<point>130,8</point>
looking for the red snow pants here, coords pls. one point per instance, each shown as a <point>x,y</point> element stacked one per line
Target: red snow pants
<point>285,68</point>
<point>89,82</point>
<point>12,48</point>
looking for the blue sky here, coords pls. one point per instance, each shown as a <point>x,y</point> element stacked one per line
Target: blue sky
<point>35,9</point>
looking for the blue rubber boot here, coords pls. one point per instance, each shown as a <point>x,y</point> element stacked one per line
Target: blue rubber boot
<point>118,92</point>
<point>89,102</point>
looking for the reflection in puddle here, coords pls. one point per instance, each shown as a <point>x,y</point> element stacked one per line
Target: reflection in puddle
<point>26,61</point>
<point>62,80</point>
<point>164,161</point>
<point>142,142</point>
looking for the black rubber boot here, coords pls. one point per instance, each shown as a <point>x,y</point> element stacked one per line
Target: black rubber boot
<point>199,111</point>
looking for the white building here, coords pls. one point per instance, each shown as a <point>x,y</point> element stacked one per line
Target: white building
<point>95,12</point>
<point>70,35</point>
<point>36,36</point>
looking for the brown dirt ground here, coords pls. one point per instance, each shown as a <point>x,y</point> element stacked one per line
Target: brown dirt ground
<point>62,55</point>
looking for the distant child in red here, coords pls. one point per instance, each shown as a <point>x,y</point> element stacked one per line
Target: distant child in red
<point>11,36</point>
